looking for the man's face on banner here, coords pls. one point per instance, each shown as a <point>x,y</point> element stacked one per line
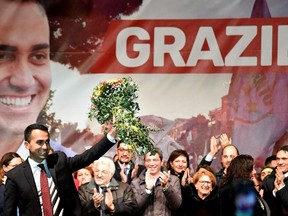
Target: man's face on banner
<point>25,76</point>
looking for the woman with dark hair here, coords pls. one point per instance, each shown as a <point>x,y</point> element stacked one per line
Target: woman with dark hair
<point>201,198</point>
<point>7,162</point>
<point>237,194</point>
<point>178,165</point>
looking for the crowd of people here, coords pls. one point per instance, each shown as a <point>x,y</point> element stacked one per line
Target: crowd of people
<point>93,184</point>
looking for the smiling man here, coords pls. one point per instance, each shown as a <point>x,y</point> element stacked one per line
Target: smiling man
<point>23,189</point>
<point>25,76</point>
<point>126,169</point>
<point>156,191</point>
<point>276,185</point>
<point>104,195</point>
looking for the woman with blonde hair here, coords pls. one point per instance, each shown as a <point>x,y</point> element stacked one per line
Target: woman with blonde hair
<point>201,198</point>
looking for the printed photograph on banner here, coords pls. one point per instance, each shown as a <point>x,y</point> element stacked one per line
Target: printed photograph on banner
<point>203,68</point>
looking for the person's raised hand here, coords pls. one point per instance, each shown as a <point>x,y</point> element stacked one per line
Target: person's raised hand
<point>214,148</point>
<point>225,140</point>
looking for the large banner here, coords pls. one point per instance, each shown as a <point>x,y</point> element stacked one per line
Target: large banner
<point>203,67</point>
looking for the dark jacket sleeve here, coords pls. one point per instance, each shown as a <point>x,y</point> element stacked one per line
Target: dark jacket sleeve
<point>87,203</point>
<point>10,205</point>
<point>205,162</point>
<point>86,158</point>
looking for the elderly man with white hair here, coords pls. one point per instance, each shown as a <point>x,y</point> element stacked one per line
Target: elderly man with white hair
<point>104,195</point>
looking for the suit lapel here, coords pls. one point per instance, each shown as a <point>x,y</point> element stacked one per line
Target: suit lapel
<point>30,179</point>
<point>51,166</point>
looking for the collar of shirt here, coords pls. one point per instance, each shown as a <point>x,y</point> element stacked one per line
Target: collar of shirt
<point>127,165</point>
<point>35,168</point>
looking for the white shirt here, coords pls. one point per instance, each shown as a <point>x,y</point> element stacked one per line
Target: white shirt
<point>36,171</point>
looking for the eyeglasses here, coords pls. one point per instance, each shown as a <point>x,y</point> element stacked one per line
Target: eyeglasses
<point>122,150</point>
<point>205,182</point>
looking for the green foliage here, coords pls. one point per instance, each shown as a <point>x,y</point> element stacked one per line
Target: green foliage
<point>117,98</point>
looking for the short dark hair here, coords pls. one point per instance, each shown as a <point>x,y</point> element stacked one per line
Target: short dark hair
<point>269,159</point>
<point>30,128</point>
<point>283,148</point>
<point>119,142</point>
<point>175,154</point>
<point>154,152</point>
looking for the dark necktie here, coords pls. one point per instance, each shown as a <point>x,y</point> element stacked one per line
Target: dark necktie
<point>126,171</point>
<point>45,192</point>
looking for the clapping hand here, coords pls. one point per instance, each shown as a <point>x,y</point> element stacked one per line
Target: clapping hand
<point>164,177</point>
<point>122,174</point>
<point>109,200</point>
<point>279,180</point>
<point>97,198</point>
<point>186,178</point>
<point>149,181</point>
<point>134,171</point>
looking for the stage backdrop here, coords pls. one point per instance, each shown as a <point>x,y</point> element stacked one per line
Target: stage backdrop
<point>203,67</point>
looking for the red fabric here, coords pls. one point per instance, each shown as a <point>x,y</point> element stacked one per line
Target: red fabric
<point>77,185</point>
<point>47,206</point>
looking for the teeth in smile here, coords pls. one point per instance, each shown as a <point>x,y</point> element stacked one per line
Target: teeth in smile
<point>24,101</point>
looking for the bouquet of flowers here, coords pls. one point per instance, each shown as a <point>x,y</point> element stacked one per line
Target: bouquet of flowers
<point>117,99</point>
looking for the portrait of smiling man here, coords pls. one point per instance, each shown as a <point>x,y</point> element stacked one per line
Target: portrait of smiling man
<point>25,76</point>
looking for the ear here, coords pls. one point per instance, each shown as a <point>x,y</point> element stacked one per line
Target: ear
<point>27,145</point>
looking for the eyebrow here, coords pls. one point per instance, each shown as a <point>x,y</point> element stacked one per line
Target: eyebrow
<point>40,46</point>
<point>4,47</point>
<point>9,48</point>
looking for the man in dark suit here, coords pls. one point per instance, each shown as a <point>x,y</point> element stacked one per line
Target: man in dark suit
<point>23,183</point>
<point>276,185</point>
<point>229,152</point>
<point>126,170</point>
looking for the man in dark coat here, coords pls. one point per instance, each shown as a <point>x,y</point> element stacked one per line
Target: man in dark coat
<point>104,195</point>
<point>126,169</point>
<point>276,185</point>
<point>23,182</point>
